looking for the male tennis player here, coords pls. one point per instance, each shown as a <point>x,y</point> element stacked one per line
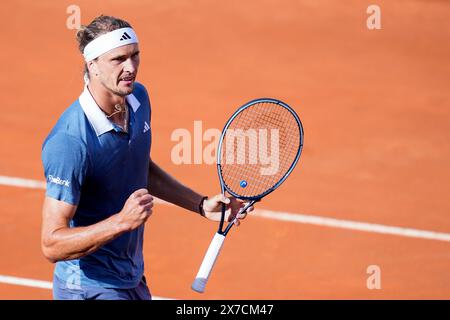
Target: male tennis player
<point>100,175</point>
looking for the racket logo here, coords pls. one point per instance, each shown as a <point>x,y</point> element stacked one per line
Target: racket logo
<point>243,184</point>
<point>252,147</point>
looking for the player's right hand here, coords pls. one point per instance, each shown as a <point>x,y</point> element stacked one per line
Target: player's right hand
<point>137,209</point>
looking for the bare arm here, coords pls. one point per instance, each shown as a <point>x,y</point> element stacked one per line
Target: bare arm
<point>167,188</point>
<point>60,242</point>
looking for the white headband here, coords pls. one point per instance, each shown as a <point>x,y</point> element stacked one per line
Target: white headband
<point>109,41</point>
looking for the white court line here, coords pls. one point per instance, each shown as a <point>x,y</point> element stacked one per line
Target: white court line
<point>41,284</point>
<point>19,182</point>
<point>354,225</point>
<point>290,217</point>
<point>26,282</point>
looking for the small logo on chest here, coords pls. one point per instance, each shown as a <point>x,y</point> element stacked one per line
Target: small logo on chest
<point>146,127</point>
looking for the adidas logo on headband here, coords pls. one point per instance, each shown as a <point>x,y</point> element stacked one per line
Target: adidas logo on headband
<point>125,36</point>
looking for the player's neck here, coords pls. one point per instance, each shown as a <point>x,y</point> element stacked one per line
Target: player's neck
<point>104,98</point>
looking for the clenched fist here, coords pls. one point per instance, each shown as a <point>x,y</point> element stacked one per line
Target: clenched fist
<point>137,209</point>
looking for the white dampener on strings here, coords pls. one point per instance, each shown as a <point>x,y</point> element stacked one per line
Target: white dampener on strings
<point>209,260</point>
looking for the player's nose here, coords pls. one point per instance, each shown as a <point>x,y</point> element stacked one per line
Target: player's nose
<point>130,66</point>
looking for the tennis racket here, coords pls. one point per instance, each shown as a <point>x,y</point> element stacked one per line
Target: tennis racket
<point>258,149</point>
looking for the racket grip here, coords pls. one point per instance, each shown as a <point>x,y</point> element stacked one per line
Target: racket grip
<point>211,255</point>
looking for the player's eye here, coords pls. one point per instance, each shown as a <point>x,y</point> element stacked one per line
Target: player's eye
<point>119,59</point>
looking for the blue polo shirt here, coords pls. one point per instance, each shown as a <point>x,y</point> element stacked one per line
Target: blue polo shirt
<point>90,162</point>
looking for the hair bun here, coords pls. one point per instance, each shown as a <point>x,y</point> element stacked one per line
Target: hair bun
<point>80,33</point>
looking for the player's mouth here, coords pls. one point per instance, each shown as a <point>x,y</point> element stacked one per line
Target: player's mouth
<point>127,80</point>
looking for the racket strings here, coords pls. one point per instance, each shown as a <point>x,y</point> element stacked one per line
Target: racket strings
<point>242,168</point>
<point>271,120</point>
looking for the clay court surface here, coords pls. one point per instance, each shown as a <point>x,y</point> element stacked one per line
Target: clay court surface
<point>375,105</point>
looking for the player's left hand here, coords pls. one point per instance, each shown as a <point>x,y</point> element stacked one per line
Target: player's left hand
<point>213,208</point>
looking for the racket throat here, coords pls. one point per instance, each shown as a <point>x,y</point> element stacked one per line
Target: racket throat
<point>231,224</point>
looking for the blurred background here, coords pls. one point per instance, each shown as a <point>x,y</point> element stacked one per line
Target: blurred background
<point>372,185</point>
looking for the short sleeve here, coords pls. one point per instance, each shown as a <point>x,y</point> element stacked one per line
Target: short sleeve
<point>65,164</point>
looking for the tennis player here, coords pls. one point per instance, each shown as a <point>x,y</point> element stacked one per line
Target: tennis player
<point>100,175</point>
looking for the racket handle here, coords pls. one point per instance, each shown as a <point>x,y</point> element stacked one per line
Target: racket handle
<point>211,255</point>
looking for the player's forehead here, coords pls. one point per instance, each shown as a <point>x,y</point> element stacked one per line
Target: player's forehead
<point>126,50</point>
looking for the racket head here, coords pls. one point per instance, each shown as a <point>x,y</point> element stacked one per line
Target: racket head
<point>266,114</point>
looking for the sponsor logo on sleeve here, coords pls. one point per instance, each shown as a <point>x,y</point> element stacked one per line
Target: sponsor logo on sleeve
<point>58,180</point>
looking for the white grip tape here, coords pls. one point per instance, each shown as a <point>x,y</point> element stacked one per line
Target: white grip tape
<point>208,263</point>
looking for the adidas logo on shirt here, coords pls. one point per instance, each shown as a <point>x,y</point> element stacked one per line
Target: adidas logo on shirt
<point>146,127</point>
<point>125,36</point>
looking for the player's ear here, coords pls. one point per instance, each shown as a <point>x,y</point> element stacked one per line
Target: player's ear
<point>93,67</point>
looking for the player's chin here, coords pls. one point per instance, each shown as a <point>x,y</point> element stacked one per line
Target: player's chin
<point>125,87</point>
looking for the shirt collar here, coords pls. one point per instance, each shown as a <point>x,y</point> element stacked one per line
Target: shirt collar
<point>96,116</point>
